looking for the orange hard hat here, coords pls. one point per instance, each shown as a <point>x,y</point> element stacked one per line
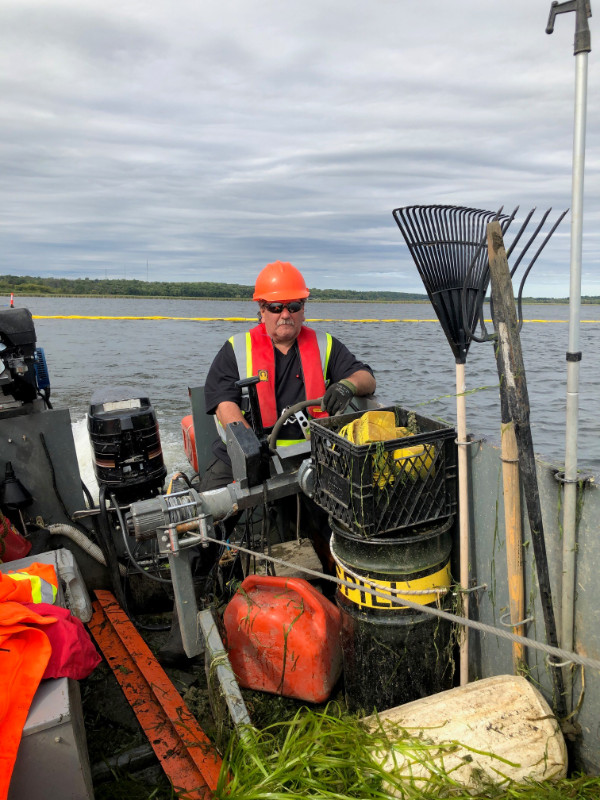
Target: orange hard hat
<point>280,281</point>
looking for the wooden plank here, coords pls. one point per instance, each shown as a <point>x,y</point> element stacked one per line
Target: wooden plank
<point>513,384</point>
<point>186,754</point>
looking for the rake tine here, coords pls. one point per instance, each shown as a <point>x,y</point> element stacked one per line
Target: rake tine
<point>479,307</point>
<point>473,265</point>
<point>511,218</point>
<point>470,234</point>
<point>423,252</point>
<point>484,282</point>
<point>438,252</point>
<point>514,243</point>
<point>447,221</point>
<point>481,284</point>
<point>424,234</point>
<point>532,262</point>
<point>505,225</point>
<point>520,232</point>
<point>474,271</point>
<point>530,242</point>
<point>467,233</point>
<point>407,227</point>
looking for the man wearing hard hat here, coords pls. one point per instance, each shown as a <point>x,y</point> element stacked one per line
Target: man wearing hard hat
<point>293,362</point>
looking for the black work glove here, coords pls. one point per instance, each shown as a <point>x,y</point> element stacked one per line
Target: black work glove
<point>337,397</point>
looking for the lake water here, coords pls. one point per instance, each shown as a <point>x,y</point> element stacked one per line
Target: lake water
<point>411,357</point>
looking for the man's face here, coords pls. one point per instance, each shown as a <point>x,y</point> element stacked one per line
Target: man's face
<point>282,326</point>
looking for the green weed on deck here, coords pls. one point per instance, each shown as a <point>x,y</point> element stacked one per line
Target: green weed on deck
<point>317,754</point>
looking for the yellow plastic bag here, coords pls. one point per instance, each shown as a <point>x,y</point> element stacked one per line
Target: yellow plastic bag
<point>380,426</point>
<point>414,461</point>
<point>373,426</point>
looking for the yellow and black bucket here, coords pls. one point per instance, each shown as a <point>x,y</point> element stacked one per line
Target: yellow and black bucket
<point>392,653</point>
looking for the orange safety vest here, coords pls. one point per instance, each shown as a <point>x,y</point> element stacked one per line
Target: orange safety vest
<point>258,358</point>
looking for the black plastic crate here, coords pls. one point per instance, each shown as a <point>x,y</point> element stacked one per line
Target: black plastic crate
<point>372,488</point>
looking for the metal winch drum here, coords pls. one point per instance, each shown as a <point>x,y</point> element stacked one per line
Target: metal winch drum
<point>393,654</point>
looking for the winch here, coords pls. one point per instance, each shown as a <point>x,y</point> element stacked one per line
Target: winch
<point>183,522</point>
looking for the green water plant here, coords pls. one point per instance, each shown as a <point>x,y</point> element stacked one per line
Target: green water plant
<point>330,755</point>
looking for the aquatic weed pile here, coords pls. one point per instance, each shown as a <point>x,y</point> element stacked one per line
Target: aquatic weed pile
<point>320,755</point>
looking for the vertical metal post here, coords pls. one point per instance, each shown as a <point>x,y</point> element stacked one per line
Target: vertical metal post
<point>573,360</point>
<point>581,49</point>
<point>463,508</point>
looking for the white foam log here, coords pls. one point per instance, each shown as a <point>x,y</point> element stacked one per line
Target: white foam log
<point>496,730</point>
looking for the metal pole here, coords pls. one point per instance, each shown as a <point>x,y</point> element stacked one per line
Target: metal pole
<point>581,49</point>
<point>573,359</point>
<point>463,508</point>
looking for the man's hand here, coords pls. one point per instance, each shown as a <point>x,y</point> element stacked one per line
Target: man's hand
<point>337,397</point>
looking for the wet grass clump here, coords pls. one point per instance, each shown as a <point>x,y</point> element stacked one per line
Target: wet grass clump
<point>322,755</point>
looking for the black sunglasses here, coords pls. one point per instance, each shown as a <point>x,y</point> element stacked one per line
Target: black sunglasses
<point>293,307</point>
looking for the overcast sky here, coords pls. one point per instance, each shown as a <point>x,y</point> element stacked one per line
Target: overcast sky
<point>198,140</point>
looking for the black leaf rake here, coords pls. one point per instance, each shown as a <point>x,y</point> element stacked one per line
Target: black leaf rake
<point>449,247</point>
<point>446,243</point>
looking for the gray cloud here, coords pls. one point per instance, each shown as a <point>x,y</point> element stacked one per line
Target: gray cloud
<point>206,139</point>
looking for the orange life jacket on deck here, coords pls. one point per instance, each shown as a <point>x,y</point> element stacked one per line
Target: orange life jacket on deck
<point>24,654</point>
<point>36,583</point>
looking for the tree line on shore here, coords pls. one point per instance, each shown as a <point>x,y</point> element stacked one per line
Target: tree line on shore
<point>34,286</point>
<point>27,285</point>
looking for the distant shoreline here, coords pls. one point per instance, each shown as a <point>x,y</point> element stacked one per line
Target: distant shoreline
<point>211,291</point>
<point>425,301</point>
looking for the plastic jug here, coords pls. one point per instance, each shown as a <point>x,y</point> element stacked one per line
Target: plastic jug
<point>283,637</point>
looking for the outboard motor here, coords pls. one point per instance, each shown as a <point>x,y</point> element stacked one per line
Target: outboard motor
<point>23,370</point>
<point>124,435</point>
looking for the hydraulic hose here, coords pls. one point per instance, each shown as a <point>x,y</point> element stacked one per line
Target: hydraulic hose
<point>88,495</point>
<point>95,552</point>
<point>272,441</point>
<point>109,550</point>
<point>128,549</point>
<point>82,541</point>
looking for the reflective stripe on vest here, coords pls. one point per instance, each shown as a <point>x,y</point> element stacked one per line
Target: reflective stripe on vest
<point>254,353</point>
<point>42,580</point>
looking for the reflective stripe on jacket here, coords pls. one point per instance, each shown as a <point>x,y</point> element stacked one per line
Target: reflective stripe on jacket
<point>255,355</point>
<point>36,583</point>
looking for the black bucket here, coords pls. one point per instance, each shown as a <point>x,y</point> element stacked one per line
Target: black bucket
<point>393,654</point>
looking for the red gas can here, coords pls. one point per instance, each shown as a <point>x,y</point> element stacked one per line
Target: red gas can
<point>283,637</point>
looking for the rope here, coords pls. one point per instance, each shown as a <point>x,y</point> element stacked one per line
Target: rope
<point>557,652</point>
<point>313,319</point>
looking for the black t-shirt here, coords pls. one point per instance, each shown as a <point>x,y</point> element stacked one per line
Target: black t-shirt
<point>289,384</point>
